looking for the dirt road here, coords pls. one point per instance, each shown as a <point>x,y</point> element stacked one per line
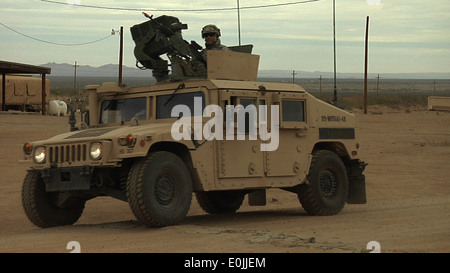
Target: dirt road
<point>408,209</point>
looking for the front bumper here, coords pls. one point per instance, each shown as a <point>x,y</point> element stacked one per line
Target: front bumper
<point>68,178</point>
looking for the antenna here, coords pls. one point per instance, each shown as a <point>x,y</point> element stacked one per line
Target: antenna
<point>365,65</point>
<point>239,22</point>
<point>334,47</point>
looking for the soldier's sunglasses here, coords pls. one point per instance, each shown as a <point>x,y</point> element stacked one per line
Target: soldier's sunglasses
<point>208,34</point>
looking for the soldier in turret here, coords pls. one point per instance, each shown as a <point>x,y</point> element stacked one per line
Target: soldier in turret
<point>211,34</point>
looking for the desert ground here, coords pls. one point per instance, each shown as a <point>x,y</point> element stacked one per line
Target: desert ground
<point>408,208</point>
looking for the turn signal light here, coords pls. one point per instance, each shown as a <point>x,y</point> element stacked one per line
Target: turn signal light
<point>27,148</point>
<point>130,140</point>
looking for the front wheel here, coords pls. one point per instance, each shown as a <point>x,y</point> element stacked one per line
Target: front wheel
<point>326,190</point>
<point>42,207</point>
<point>159,189</point>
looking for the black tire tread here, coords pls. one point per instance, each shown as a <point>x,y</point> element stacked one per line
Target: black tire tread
<point>39,208</point>
<point>308,195</point>
<point>135,192</point>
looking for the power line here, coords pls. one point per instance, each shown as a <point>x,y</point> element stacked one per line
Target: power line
<point>53,43</point>
<point>141,9</point>
<point>178,10</point>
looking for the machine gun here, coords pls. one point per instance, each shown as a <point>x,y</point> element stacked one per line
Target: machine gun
<point>162,35</point>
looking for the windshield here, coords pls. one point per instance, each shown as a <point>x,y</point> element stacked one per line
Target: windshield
<point>123,110</point>
<point>165,103</point>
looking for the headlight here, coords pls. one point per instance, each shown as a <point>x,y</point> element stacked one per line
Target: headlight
<point>96,151</point>
<point>39,155</point>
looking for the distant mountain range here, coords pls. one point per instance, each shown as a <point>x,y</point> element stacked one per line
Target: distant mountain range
<point>330,75</point>
<point>112,70</point>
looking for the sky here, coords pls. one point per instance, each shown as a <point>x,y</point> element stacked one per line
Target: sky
<point>404,36</point>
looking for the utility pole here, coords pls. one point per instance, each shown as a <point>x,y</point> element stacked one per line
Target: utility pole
<point>365,65</point>
<point>378,83</point>
<point>121,56</point>
<point>334,47</point>
<point>293,76</point>
<point>320,85</point>
<point>75,77</point>
<point>113,32</point>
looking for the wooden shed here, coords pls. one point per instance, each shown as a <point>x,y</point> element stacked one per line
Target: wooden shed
<point>18,68</point>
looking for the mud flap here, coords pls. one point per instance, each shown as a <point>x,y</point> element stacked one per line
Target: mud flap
<point>357,190</point>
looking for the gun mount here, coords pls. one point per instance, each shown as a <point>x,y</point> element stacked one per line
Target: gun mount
<point>162,35</point>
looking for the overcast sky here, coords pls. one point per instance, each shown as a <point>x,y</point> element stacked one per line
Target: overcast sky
<point>404,36</point>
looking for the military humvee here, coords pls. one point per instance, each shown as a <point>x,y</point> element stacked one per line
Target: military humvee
<point>154,146</point>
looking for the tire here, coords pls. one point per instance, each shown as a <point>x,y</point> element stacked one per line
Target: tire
<point>159,189</point>
<point>41,208</point>
<point>215,202</point>
<point>326,190</point>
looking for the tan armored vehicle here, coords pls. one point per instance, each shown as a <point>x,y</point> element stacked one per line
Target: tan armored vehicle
<point>221,136</point>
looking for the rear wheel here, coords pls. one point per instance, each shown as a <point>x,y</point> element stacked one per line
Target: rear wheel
<point>42,207</point>
<point>159,189</point>
<point>326,190</point>
<point>215,202</point>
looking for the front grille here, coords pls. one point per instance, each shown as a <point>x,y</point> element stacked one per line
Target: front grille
<point>67,153</point>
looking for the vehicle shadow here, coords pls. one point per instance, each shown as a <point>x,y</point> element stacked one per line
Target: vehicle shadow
<point>236,218</point>
<point>244,216</point>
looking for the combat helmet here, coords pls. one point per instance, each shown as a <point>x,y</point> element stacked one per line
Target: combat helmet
<point>210,29</point>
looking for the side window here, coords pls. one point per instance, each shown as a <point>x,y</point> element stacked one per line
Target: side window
<point>292,113</point>
<point>293,110</point>
<point>249,116</point>
<point>165,103</point>
<point>245,119</point>
<point>264,113</point>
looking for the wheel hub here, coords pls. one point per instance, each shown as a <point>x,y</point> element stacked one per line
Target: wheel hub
<point>164,190</point>
<point>327,184</point>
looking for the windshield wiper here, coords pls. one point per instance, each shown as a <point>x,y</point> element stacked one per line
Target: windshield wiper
<point>111,102</point>
<point>181,86</point>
